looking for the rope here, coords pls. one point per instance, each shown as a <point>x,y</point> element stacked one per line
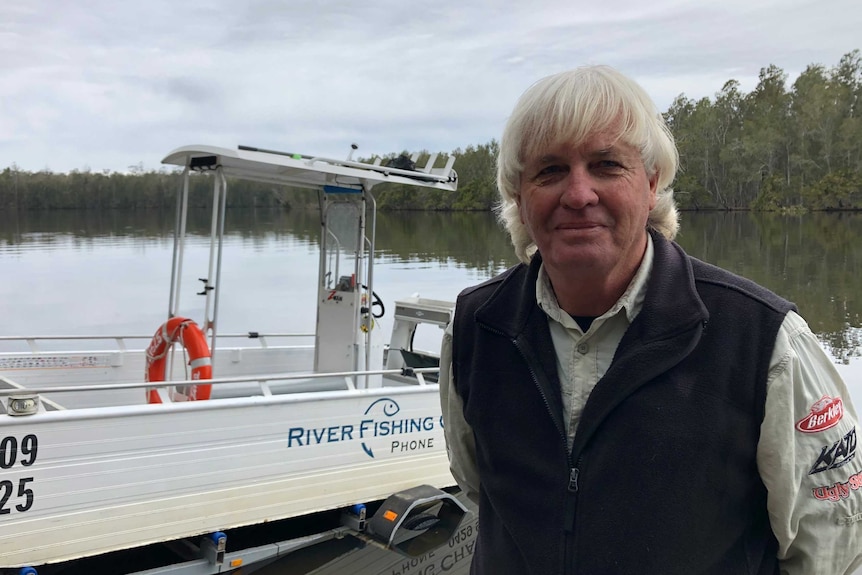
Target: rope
<point>170,339</point>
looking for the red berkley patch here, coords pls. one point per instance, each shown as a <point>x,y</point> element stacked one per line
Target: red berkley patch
<point>825,413</point>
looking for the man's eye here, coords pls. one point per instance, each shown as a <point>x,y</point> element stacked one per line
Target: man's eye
<point>549,175</point>
<point>608,164</point>
<point>551,170</point>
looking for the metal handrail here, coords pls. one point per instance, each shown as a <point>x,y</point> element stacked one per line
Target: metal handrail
<point>245,335</point>
<point>215,381</point>
<point>120,340</point>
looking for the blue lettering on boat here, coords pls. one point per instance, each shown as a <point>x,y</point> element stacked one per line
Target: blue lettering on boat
<point>384,425</point>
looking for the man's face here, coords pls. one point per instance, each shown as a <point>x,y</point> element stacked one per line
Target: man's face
<point>586,207</point>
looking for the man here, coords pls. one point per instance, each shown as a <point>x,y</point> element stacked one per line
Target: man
<point>616,406</point>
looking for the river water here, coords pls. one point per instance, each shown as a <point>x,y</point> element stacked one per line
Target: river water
<point>82,272</point>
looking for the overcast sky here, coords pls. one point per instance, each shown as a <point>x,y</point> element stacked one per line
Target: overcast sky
<point>106,84</point>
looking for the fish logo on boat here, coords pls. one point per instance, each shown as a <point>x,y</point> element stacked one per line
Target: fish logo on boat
<point>389,408</point>
<point>824,414</point>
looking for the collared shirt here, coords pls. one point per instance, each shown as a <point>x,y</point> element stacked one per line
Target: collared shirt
<point>814,480</point>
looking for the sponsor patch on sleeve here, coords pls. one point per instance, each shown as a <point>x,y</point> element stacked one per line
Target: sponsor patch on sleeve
<point>836,455</point>
<point>824,414</point>
<point>838,490</point>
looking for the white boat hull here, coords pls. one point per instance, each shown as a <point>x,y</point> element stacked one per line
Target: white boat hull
<point>142,474</point>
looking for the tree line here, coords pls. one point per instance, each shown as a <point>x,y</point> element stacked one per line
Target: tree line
<point>781,147</point>
<point>137,189</point>
<point>775,147</point>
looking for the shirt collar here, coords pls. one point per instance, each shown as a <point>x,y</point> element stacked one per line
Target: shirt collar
<point>631,301</point>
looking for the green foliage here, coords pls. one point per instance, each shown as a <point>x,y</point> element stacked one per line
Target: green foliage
<point>774,148</point>
<point>477,189</point>
<point>835,191</point>
<point>137,190</point>
<point>771,196</point>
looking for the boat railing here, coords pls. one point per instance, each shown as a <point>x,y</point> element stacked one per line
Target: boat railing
<point>347,381</point>
<point>263,340</point>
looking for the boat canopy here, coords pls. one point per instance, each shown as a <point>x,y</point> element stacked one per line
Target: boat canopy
<point>299,170</point>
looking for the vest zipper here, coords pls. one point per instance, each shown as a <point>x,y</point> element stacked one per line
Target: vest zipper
<point>569,525</point>
<point>573,479</point>
<point>571,498</point>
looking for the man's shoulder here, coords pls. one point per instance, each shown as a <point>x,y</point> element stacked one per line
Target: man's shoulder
<point>487,287</point>
<point>708,276</point>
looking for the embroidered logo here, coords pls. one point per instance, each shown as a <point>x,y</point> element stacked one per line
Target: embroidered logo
<point>835,455</point>
<point>840,490</point>
<point>825,413</point>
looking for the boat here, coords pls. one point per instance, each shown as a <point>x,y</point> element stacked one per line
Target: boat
<point>192,451</point>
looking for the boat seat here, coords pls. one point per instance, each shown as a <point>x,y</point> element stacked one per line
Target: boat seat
<point>419,360</point>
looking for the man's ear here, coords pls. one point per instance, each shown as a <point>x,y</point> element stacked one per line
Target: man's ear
<point>653,190</point>
<point>520,211</point>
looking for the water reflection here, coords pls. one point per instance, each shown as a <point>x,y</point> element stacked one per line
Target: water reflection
<point>812,260</point>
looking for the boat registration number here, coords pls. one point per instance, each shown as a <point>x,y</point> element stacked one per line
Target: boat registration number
<point>17,496</point>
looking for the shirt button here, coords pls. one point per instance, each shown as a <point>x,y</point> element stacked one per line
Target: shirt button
<point>583,348</point>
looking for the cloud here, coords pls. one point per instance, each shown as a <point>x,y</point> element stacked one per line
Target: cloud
<point>109,84</point>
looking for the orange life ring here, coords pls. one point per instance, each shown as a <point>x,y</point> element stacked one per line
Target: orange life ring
<point>187,333</point>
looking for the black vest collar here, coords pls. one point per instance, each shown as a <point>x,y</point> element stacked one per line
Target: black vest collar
<point>660,317</point>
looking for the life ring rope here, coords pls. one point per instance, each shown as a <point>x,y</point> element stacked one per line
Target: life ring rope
<point>153,354</point>
<point>189,335</point>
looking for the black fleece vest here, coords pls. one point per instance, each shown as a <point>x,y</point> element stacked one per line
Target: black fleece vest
<point>662,478</point>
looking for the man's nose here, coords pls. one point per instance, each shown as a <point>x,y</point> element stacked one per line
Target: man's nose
<point>580,190</point>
